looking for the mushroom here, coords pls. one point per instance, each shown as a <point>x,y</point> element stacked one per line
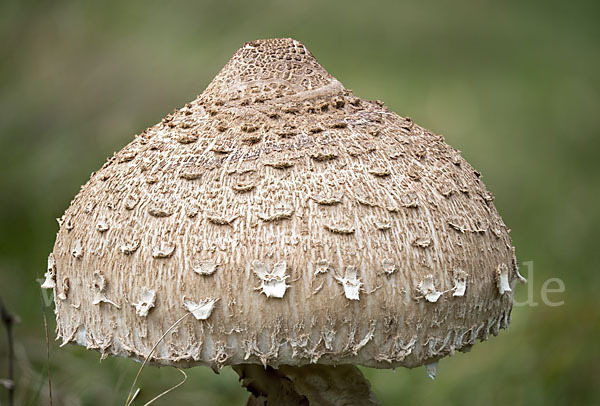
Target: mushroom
<point>341,248</point>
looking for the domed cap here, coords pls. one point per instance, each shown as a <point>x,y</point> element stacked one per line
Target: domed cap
<point>292,222</point>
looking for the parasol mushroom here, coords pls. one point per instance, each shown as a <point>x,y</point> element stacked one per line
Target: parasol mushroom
<point>304,230</point>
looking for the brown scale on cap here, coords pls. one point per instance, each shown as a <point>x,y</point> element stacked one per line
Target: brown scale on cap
<point>237,200</point>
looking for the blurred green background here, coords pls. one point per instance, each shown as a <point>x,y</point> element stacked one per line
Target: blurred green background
<point>514,84</point>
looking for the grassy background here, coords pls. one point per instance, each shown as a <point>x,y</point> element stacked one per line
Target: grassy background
<point>513,84</point>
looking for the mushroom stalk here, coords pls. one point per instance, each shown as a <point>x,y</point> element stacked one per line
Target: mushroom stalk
<point>314,384</point>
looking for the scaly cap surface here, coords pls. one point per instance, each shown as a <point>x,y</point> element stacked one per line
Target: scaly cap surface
<point>296,223</point>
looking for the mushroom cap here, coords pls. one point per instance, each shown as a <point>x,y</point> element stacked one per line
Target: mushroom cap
<point>293,222</point>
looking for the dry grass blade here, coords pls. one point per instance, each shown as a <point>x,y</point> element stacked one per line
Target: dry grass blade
<point>130,398</point>
<point>47,347</point>
<point>137,392</point>
<point>170,389</point>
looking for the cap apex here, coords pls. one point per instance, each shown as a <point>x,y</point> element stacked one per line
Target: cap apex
<point>269,69</point>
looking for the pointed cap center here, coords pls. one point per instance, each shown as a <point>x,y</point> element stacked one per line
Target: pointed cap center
<point>271,69</point>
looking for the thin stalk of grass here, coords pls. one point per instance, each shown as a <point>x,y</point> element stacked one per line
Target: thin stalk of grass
<point>129,396</point>
<point>170,389</point>
<point>47,347</point>
<point>9,320</point>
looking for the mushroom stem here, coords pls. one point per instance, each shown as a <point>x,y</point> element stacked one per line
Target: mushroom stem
<point>306,385</point>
